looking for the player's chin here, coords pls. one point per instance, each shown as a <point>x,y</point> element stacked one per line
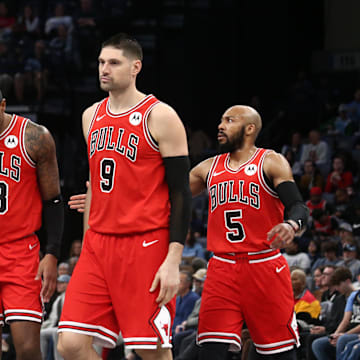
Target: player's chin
<point>105,86</point>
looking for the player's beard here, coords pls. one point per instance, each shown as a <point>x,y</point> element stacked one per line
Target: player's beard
<point>233,144</point>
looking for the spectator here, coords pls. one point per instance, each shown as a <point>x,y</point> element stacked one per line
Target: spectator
<point>343,123</point>
<point>338,178</point>
<point>350,259</point>
<point>185,299</point>
<point>315,201</point>
<point>343,207</point>
<point>48,332</point>
<point>52,24</point>
<point>316,150</point>
<point>63,269</point>
<point>198,263</point>
<point>295,257</point>
<point>295,165</point>
<point>6,20</point>
<point>296,146</point>
<point>37,70</point>
<point>311,178</point>
<point>345,229</point>
<point>324,225</point>
<point>330,323</point>
<point>72,263</point>
<point>313,251</point>
<point>85,21</point>
<point>192,248</point>
<point>326,347</point>
<point>354,107</point>
<point>29,21</point>
<point>185,333</point>
<point>329,250</point>
<point>11,68</point>
<point>198,281</point>
<point>75,249</point>
<point>307,307</point>
<point>319,287</point>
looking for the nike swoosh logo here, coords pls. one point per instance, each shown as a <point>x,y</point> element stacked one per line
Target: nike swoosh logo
<point>32,246</point>
<point>218,173</point>
<point>146,244</point>
<point>100,117</point>
<point>280,269</point>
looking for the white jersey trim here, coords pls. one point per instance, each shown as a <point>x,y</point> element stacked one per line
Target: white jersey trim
<point>94,116</point>
<point>227,160</point>
<point>95,327</point>
<point>265,352</point>
<point>261,178</point>
<point>265,259</point>
<point>220,334</point>
<point>260,252</point>
<point>23,311</point>
<point>212,169</point>
<point>141,339</point>
<point>224,260</point>
<point>101,339</point>
<point>140,103</point>
<point>264,346</point>
<point>149,139</point>
<point>22,317</point>
<point>9,127</point>
<point>22,146</point>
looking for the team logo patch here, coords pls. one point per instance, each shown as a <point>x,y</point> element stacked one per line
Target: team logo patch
<point>135,118</point>
<point>250,169</point>
<point>11,141</point>
<point>162,322</point>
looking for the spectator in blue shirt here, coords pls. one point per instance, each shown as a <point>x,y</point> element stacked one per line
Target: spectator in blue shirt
<point>191,247</point>
<point>185,299</point>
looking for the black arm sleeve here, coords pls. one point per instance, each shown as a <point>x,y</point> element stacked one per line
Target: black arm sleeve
<point>295,209</point>
<point>177,177</point>
<point>53,215</point>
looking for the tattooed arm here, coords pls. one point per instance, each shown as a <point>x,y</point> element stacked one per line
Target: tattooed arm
<point>40,146</point>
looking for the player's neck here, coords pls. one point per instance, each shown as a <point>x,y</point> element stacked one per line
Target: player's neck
<point>123,101</point>
<point>4,122</point>
<point>242,155</point>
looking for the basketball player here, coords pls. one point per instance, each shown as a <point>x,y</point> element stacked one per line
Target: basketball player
<point>138,211</point>
<point>248,279</point>
<point>29,188</point>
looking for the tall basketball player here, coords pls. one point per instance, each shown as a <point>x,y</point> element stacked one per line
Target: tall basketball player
<point>29,188</point>
<point>248,279</point>
<point>137,210</point>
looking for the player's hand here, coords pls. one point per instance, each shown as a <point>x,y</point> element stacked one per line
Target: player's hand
<point>168,277</point>
<point>280,235</point>
<point>77,202</point>
<point>48,272</point>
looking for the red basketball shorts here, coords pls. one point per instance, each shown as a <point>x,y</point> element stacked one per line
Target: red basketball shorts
<point>254,288</point>
<point>109,291</point>
<point>19,291</point>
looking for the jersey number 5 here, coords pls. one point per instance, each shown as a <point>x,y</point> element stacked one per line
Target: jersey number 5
<point>107,172</point>
<point>236,231</point>
<point>3,197</point>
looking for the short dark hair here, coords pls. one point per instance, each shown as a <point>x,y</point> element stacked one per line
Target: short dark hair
<point>329,246</point>
<point>122,41</point>
<point>339,275</point>
<point>1,96</point>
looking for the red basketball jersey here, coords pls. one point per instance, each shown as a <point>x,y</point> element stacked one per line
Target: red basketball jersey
<point>242,207</point>
<point>20,199</point>
<point>129,191</point>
